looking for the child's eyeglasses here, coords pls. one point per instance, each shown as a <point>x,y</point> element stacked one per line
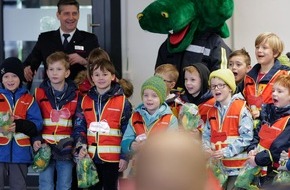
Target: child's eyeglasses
<point>218,86</point>
<point>167,81</point>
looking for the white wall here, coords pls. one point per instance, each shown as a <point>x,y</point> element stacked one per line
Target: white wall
<point>142,47</point>
<point>251,17</point>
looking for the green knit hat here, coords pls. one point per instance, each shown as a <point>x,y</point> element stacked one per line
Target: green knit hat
<point>156,84</point>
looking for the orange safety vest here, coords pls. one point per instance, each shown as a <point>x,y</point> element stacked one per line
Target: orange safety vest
<point>159,125</point>
<point>226,132</point>
<point>57,124</point>
<point>108,146</point>
<point>268,134</point>
<point>20,110</point>
<point>204,107</point>
<point>251,89</point>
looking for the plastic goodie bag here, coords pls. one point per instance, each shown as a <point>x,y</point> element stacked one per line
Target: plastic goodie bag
<point>41,158</point>
<point>247,176</point>
<point>188,116</point>
<point>218,170</point>
<point>5,122</point>
<point>86,172</point>
<point>283,176</point>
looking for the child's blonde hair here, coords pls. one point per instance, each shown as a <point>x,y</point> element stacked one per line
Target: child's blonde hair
<point>169,69</point>
<point>58,56</point>
<point>273,40</point>
<point>283,80</point>
<point>241,52</point>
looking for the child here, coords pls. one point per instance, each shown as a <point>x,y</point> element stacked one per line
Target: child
<point>272,136</point>
<point>57,98</point>
<point>229,126</point>
<point>25,122</point>
<point>82,80</point>
<point>197,89</point>
<point>100,123</point>
<point>150,116</point>
<point>257,86</point>
<point>170,74</point>
<point>240,64</point>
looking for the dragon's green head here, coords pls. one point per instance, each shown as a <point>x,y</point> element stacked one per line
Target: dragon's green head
<point>185,19</point>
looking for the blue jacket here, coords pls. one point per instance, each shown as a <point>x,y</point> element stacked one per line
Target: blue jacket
<point>12,153</point>
<point>80,124</point>
<point>245,132</point>
<point>149,121</point>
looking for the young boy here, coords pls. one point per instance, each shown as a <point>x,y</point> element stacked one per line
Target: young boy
<point>25,122</point>
<point>240,64</point>
<point>272,136</point>
<point>150,116</point>
<point>257,86</point>
<point>101,121</point>
<point>57,98</point>
<point>170,74</point>
<point>197,89</point>
<point>229,126</point>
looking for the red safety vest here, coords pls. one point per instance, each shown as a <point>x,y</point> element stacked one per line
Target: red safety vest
<point>204,107</point>
<point>226,132</point>
<point>20,110</point>
<point>159,125</point>
<point>108,146</point>
<point>251,90</point>
<point>57,124</point>
<point>268,134</point>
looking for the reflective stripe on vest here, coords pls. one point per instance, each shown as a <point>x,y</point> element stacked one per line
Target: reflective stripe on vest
<point>229,126</point>
<point>108,146</point>
<point>140,128</point>
<point>250,89</point>
<point>55,125</point>
<point>20,110</point>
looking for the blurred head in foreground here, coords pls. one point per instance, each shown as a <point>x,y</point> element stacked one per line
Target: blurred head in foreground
<point>171,161</point>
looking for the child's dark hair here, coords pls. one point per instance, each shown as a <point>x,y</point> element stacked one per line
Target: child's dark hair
<point>103,64</point>
<point>67,2</point>
<point>58,56</point>
<point>97,54</point>
<point>127,87</point>
<point>241,52</point>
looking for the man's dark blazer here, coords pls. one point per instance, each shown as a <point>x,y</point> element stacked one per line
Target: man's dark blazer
<point>49,42</point>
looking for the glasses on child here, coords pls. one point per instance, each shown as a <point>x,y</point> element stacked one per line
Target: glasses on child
<point>218,86</point>
<point>167,81</point>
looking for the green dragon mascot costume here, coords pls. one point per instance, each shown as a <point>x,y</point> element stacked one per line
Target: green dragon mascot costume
<point>195,30</point>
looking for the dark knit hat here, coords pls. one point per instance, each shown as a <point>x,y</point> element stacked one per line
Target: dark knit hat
<point>156,84</point>
<point>12,65</point>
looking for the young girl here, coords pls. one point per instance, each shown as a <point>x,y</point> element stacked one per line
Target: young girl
<point>101,121</point>
<point>26,122</point>
<point>229,126</point>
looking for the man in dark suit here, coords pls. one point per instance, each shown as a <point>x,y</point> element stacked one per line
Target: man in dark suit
<point>77,44</point>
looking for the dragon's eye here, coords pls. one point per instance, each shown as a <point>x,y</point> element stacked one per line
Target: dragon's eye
<point>139,16</point>
<point>165,14</point>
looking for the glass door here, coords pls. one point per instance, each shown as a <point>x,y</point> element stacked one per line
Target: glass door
<point>24,20</point>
